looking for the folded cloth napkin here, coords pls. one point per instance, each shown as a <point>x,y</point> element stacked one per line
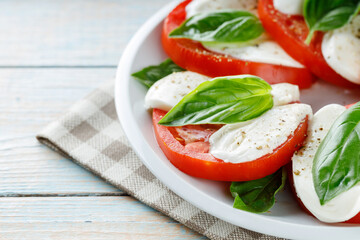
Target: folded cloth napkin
<point>90,135</point>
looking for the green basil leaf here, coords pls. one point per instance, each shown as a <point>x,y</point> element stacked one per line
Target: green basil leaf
<point>336,166</point>
<point>220,26</point>
<point>149,75</point>
<point>222,100</point>
<point>357,11</point>
<point>258,196</point>
<point>326,15</point>
<point>224,45</point>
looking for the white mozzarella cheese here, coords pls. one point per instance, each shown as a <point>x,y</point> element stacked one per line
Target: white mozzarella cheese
<point>262,49</point>
<point>292,7</point>
<point>167,92</point>
<point>285,93</point>
<point>204,6</point>
<point>250,140</point>
<point>342,207</point>
<point>341,50</point>
<point>267,51</point>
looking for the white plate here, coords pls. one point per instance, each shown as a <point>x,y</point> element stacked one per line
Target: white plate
<point>286,219</point>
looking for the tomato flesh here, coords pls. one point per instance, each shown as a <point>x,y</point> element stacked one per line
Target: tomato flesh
<point>198,162</point>
<point>192,56</point>
<point>290,31</point>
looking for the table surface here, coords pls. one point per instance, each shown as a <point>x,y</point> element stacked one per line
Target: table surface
<point>53,53</point>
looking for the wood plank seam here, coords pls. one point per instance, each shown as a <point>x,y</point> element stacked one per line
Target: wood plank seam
<point>114,194</point>
<point>56,66</point>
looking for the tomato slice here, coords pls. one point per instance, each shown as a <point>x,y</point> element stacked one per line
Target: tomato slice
<point>198,162</point>
<point>290,32</point>
<point>192,56</point>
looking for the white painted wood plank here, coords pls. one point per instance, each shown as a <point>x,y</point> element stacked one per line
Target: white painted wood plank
<point>86,218</point>
<point>43,94</point>
<point>28,168</point>
<point>29,100</point>
<point>63,33</point>
<point>67,32</point>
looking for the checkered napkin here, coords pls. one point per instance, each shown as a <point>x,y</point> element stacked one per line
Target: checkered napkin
<point>90,135</point>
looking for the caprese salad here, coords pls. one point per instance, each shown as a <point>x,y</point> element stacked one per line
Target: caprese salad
<point>325,170</point>
<point>226,107</point>
<point>229,41</point>
<point>324,36</point>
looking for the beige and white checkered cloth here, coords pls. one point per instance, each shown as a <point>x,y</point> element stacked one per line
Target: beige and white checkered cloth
<point>90,135</point>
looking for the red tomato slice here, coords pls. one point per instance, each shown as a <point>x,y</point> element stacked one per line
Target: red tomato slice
<point>355,219</point>
<point>290,32</point>
<point>196,160</point>
<point>193,56</point>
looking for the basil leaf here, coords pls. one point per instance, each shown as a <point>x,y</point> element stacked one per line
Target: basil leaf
<point>326,15</point>
<point>357,11</point>
<point>336,166</point>
<point>222,100</point>
<point>220,26</point>
<point>258,196</point>
<point>149,75</point>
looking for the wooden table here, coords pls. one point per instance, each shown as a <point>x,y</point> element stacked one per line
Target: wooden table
<point>53,53</point>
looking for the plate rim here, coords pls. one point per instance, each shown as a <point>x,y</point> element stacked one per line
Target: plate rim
<point>253,222</point>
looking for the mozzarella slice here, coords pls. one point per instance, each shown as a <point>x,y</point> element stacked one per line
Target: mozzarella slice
<point>250,140</point>
<point>167,92</point>
<point>292,7</point>
<point>285,93</point>
<point>266,51</point>
<point>342,207</point>
<point>205,6</point>
<point>262,49</point>
<point>341,50</point>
